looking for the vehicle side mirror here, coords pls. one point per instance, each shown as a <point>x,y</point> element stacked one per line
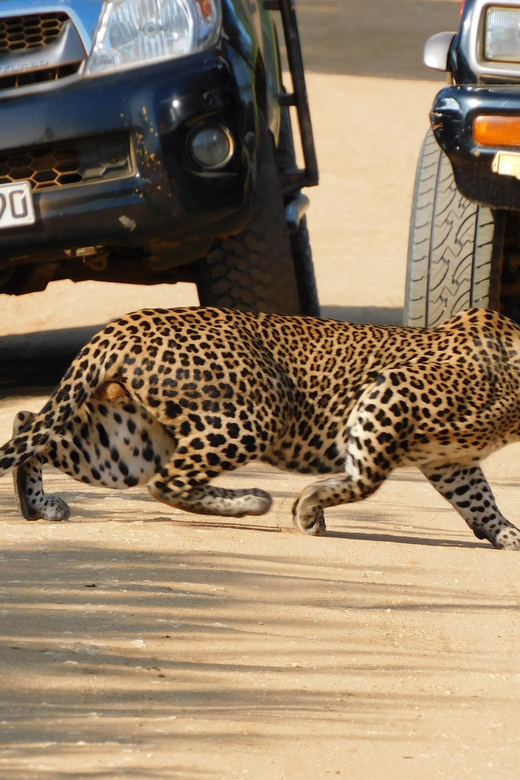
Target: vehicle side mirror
<point>437,49</point>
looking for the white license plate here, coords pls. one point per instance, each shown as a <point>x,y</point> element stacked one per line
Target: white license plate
<point>16,205</point>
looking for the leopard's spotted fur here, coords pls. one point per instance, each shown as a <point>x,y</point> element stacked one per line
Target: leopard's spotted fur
<point>172,398</point>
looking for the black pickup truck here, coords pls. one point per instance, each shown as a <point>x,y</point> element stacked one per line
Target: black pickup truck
<point>464,245</point>
<point>150,141</point>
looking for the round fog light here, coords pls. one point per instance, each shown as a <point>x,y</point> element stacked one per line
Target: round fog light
<point>211,146</point>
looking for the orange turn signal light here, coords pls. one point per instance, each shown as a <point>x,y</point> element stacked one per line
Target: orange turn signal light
<point>497,130</point>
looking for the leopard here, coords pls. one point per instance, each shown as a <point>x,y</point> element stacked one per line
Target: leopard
<point>172,398</point>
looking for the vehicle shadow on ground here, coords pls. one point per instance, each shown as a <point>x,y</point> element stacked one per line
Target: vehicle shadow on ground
<point>381,38</point>
<point>39,359</point>
<point>377,315</point>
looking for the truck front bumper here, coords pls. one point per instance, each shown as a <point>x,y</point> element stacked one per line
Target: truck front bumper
<point>478,173</point>
<point>162,201</point>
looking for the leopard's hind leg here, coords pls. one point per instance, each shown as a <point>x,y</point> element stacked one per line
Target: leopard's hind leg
<point>468,491</point>
<point>28,485</point>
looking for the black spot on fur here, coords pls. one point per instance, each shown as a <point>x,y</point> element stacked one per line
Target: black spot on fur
<point>103,438</point>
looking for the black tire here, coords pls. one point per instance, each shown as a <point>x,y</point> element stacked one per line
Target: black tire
<point>455,246</point>
<point>254,270</point>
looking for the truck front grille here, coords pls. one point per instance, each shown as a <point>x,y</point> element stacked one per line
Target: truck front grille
<point>19,33</point>
<point>85,160</point>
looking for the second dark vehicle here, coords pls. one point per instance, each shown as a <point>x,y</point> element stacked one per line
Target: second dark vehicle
<point>465,229</point>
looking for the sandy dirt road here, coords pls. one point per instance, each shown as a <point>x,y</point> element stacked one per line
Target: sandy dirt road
<point>140,643</point>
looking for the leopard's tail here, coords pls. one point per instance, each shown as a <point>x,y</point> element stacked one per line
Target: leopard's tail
<point>75,388</point>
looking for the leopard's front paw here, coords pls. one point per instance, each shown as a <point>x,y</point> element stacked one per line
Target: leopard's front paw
<point>309,521</point>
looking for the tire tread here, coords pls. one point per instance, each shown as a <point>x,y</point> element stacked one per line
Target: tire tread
<point>452,248</point>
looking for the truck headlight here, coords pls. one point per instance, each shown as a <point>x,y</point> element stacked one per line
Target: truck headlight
<point>132,33</point>
<point>502,35</point>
